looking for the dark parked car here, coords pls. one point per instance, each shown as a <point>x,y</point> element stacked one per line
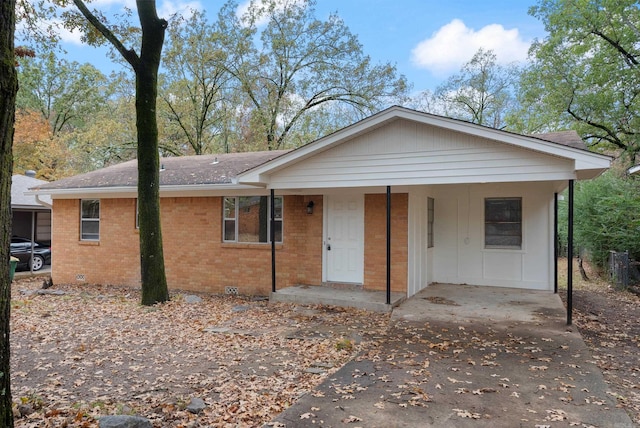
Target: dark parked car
<point>21,248</point>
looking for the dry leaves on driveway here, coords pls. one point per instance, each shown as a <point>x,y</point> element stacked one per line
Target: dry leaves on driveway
<point>95,351</point>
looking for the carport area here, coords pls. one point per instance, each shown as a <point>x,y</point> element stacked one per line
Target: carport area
<point>465,356</point>
<point>486,305</point>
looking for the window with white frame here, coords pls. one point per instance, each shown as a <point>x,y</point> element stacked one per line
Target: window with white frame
<point>247,219</point>
<point>90,219</point>
<point>430,218</point>
<point>503,223</point>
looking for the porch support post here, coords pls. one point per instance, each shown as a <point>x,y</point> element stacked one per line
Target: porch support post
<point>273,241</point>
<point>555,243</point>
<point>570,255</point>
<point>33,238</point>
<point>388,245</point>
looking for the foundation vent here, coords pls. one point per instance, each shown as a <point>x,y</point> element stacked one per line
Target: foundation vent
<point>80,277</point>
<point>231,290</point>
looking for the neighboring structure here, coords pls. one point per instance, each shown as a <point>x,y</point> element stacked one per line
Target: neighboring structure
<point>468,205</point>
<point>29,214</point>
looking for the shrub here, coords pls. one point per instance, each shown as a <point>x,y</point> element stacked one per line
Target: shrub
<point>606,217</point>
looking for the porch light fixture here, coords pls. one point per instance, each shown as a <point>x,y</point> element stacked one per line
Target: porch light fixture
<point>310,207</point>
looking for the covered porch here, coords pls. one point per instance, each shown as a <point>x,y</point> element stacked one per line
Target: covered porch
<point>470,205</point>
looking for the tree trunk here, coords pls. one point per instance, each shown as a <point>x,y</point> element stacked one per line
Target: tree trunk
<point>583,273</point>
<point>8,90</point>
<point>154,282</point>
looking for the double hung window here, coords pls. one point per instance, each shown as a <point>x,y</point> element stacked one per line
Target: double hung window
<point>90,219</point>
<point>247,219</point>
<point>503,223</point>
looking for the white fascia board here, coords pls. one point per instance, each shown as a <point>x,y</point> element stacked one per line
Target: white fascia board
<point>79,192</point>
<point>583,158</point>
<point>132,192</point>
<point>428,181</point>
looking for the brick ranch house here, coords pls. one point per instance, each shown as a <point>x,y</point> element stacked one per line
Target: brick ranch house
<point>466,204</point>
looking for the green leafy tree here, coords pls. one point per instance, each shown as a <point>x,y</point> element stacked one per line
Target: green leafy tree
<point>585,74</point>
<point>108,136</point>
<point>145,65</point>
<point>303,63</point>
<point>607,217</point>
<point>8,90</point>
<point>482,92</point>
<point>196,87</point>
<point>65,93</point>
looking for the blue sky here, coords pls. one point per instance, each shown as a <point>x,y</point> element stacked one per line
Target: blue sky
<point>427,40</point>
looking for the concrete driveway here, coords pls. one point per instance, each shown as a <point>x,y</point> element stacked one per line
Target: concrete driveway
<point>458,356</point>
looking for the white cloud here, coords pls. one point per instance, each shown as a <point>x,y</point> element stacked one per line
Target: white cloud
<point>243,9</point>
<point>108,3</point>
<point>170,8</point>
<point>72,37</point>
<point>454,44</point>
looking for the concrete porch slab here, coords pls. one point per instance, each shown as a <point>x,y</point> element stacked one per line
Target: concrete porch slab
<point>472,303</point>
<point>374,301</point>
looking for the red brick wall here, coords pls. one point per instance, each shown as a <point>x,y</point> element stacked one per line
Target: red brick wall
<point>195,257</point>
<point>375,241</point>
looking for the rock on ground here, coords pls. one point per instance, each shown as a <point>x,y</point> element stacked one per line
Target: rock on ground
<point>196,405</point>
<point>124,421</point>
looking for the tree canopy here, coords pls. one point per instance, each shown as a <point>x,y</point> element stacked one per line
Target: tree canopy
<point>482,92</point>
<point>196,91</point>
<point>585,74</point>
<point>65,93</point>
<point>302,65</point>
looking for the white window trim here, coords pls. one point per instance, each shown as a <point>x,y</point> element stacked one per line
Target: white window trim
<point>88,220</point>
<point>504,247</point>
<point>431,214</point>
<point>236,222</point>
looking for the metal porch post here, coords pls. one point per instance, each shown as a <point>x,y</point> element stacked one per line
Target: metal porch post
<point>33,238</point>
<point>273,241</point>
<point>555,243</point>
<point>388,245</point>
<point>570,255</point>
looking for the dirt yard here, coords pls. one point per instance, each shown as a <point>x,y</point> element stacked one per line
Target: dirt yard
<point>609,321</point>
<point>93,351</point>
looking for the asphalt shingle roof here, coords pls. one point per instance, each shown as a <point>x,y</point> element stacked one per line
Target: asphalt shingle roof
<point>566,138</point>
<point>183,170</point>
<point>19,185</point>
<point>214,169</point>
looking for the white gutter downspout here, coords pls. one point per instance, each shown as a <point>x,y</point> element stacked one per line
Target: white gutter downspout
<point>43,203</point>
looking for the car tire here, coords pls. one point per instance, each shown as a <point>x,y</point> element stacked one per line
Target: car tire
<point>37,262</point>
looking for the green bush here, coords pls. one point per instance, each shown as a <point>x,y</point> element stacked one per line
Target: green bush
<point>606,217</point>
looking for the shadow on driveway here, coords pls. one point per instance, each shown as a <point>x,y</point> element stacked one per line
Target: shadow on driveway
<point>458,356</point>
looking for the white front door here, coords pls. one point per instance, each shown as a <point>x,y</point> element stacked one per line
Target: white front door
<point>344,245</point>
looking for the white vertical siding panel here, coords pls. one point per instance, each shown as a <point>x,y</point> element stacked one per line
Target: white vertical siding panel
<point>461,261</point>
<point>446,230</point>
<point>417,243</point>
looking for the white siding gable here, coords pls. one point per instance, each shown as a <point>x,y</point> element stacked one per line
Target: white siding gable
<point>404,152</point>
